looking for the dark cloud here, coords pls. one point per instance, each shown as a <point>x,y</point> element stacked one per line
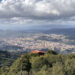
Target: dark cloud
<point>39,11</point>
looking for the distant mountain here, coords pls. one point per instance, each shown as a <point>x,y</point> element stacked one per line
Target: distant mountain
<point>68,31</point>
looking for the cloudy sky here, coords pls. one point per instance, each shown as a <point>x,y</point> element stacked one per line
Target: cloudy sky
<point>29,13</point>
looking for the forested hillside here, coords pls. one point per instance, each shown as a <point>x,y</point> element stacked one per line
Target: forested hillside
<point>50,63</point>
<point>7,58</point>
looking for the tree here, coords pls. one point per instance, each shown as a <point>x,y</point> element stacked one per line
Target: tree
<point>38,63</point>
<point>21,64</point>
<point>58,69</point>
<point>26,65</point>
<point>70,66</point>
<point>4,70</point>
<point>51,52</point>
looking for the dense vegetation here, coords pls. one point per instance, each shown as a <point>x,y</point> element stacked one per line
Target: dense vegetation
<point>7,58</point>
<point>50,63</point>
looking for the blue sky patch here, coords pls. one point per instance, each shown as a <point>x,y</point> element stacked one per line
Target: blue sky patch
<point>0,0</point>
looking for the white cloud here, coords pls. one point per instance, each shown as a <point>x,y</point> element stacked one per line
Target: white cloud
<point>31,11</point>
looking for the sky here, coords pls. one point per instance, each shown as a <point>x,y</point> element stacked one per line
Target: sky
<point>33,13</point>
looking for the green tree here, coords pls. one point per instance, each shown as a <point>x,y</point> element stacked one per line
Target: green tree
<point>4,70</point>
<point>70,66</point>
<point>51,52</point>
<point>58,69</point>
<point>38,63</point>
<point>21,64</point>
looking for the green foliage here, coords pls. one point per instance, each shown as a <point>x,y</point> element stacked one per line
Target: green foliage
<point>58,69</point>
<point>38,63</point>
<point>51,52</point>
<point>7,58</point>
<point>70,66</point>
<point>50,63</point>
<point>21,64</point>
<point>4,70</point>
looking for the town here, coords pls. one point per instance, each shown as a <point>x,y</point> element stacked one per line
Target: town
<point>40,41</point>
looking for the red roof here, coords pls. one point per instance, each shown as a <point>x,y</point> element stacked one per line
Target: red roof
<point>38,51</point>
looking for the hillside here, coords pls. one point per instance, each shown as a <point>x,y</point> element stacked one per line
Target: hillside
<point>50,63</point>
<point>7,58</point>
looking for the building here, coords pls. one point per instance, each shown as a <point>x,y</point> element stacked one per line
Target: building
<point>38,52</point>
